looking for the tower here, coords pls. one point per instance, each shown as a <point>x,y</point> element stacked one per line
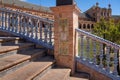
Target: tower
<point>109,10</point>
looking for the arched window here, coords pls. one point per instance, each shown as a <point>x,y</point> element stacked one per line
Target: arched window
<point>92,26</point>
<point>79,26</point>
<point>84,26</point>
<point>88,26</point>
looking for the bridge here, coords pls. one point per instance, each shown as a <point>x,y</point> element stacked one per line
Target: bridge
<point>73,48</point>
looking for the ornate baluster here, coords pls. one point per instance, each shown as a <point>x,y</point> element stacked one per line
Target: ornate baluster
<point>23,25</point>
<point>36,29</point>
<point>25,22</point>
<point>26,25</point>
<point>82,46</point>
<point>20,24</point>
<point>27,32</point>
<point>2,19</point>
<point>115,72</point>
<point>101,55</point>
<point>32,28</point>
<point>16,22</point>
<point>95,52</point>
<point>7,24</point>
<point>108,59</point>
<point>45,34</point>
<point>41,31</point>
<point>14,25</point>
<point>50,34</point>
<point>5,20</point>
<point>9,21</point>
<point>12,22</point>
<point>14,18</point>
<point>88,49</point>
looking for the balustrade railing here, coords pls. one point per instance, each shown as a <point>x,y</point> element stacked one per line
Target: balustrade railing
<point>34,28</point>
<point>99,54</point>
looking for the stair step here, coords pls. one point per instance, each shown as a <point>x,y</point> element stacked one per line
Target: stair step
<point>80,76</point>
<point>9,40</point>
<point>77,78</point>
<point>13,68</point>
<point>11,47</point>
<point>29,71</point>
<point>56,74</point>
<point>4,39</point>
<point>8,61</point>
<point>14,59</point>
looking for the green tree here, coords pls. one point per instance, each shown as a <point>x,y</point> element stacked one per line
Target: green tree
<point>108,30</point>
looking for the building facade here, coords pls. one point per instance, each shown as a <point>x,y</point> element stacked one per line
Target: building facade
<point>86,21</point>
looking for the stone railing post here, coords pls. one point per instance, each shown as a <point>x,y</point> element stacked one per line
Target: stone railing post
<point>66,20</point>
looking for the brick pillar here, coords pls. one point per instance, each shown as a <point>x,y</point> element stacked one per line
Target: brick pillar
<point>66,20</point>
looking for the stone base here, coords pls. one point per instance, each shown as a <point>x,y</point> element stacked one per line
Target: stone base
<point>94,75</point>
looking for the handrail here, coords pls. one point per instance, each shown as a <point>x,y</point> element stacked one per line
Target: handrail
<point>99,54</point>
<point>31,27</point>
<point>99,39</point>
<point>26,14</point>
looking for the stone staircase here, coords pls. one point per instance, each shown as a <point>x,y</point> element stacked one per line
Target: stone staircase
<point>21,60</point>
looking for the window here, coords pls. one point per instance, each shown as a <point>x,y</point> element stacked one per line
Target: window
<point>79,26</point>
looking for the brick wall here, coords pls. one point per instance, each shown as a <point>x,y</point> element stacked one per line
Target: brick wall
<point>94,75</point>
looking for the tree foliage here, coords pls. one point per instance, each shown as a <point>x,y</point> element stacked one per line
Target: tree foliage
<point>108,30</point>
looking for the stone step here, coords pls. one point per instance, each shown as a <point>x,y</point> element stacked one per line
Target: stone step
<point>6,34</point>
<point>79,76</point>
<point>9,40</point>
<point>15,61</point>
<point>55,74</point>
<point>3,39</point>
<point>9,61</point>
<point>30,71</point>
<point>13,68</point>
<point>12,49</point>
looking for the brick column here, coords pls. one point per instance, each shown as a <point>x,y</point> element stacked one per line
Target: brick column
<point>66,20</point>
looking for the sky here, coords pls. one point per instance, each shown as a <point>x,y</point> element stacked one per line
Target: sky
<point>83,4</point>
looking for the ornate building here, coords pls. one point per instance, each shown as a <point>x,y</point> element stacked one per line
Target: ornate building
<point>87,19</point>
<point>44,12</point>
<point>93,15</point>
